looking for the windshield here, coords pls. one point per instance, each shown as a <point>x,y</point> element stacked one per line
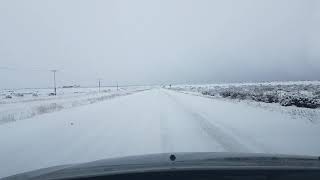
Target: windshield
<point>85,80</point>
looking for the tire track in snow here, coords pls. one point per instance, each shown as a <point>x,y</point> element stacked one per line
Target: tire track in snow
<point>224,139</point>
<point>253,145</point>
<point>229,143</point>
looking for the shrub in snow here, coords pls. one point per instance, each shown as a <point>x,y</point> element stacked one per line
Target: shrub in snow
<point>301,95</point>
<point>7,118</point>
<point>19,94</point>
<point>48,108</point>
<point>225,94</point>
<point>317,94</point>
<point>300,101</point>
<point>208,93</point>
<point>233,94</point>
<point>270,97</point>
<point>8,97</point>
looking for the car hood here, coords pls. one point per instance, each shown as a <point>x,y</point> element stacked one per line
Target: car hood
<point>174,162</point>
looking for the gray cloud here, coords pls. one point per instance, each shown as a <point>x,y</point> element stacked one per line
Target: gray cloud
<point>158,41</point>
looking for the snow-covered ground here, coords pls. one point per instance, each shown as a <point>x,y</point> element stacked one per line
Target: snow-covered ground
<point>152,121</point>
<point>22,104</point>
<point>270,95</point>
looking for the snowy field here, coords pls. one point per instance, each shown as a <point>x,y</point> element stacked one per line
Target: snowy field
<point>90,126</point>
<point>20,104</point>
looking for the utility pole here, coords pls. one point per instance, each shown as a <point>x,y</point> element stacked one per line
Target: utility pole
<point>54,81</point>
<point>99,84</point>
<point>117,86</point>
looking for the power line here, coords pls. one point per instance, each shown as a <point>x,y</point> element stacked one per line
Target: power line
<point>6,68</point>
<point>21,69</point>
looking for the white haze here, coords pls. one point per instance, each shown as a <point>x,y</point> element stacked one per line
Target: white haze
<point>157,41</point>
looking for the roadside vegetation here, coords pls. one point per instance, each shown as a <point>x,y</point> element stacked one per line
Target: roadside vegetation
<point>306,95</point>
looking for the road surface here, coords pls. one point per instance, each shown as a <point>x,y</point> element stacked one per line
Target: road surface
<point>151,121</point>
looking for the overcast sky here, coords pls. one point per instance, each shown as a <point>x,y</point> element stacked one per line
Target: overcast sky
<point>157,41</point>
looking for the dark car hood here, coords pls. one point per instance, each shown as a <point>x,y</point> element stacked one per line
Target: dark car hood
<point>183,161</point>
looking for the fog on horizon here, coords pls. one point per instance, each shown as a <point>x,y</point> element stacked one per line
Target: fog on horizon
<point>157,41</point>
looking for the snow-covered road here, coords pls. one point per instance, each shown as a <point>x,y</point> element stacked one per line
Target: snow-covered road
<point>151,121</point>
